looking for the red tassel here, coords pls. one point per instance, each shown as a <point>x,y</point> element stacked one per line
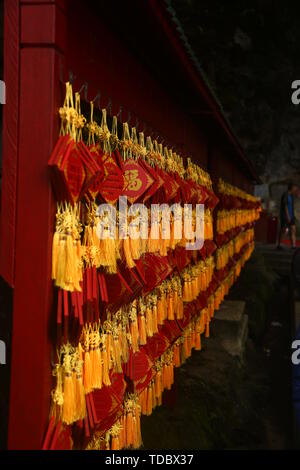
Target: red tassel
<point>55,435</point>
<point>48,434</point>
<point>66,303</point>
<point>59,307</point>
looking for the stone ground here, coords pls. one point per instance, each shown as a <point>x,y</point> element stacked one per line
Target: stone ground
<point>220,402</point>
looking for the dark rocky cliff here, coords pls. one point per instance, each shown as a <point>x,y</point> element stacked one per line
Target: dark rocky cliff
<point>250,51</point>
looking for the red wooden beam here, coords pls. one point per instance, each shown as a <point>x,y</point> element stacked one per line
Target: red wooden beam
<point>10,142</point>
<point>40,97</point>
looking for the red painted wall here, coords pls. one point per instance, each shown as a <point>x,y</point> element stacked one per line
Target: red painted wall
<point>47,39</point>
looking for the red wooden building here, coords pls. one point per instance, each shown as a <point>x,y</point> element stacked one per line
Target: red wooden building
<point>133,58</point>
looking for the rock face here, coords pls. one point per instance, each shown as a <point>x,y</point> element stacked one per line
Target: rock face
<point>231,326</point>
<point>250,53</point>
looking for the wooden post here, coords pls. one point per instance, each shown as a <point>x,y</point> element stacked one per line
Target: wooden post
<point>39,100</point>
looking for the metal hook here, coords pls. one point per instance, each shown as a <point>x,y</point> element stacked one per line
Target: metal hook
<point>109,107</point>
<point>120,113</point>
<point>84,87</point>
<point>97,98</point>
<point>85,95</point>
<point>72,77</point>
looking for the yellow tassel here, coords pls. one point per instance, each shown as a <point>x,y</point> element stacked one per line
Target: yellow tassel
<point>194,289</point>
<point>134,335</point>
<point>61,264</point>
<point>149,400</point>
<point>171,374</point>
<point>69,259</point>
<point>182,353</point>
<point>189,344</point>
<point>190,293</point>
<point>129,429</point>
<point>198,342</point>
<point>170,306</point>
<point>207,330</point>
<point>134,433</point>
<point>159,401</point>
<point>117,354</point>
<point>108,254</point>
<point>160,310</point>
<point>143,401</point>
<point>135,248</point>
<point>122,434</point>
<point>87,377</point>
<point>138,426</point>
<point>154,319</point>
<point>176,356</point>
<point>79,397</point>
<point>158,384</point>
<point>185,290</point>
<point>142,330</point>
<point>153,396</point>
<point>115,443</point>
<point>163,247</point>
<point>149,326</point>
<point>98,368</point>
<point>68,414</point>
<point>124,345</point>
<point>175,302</point>
<point>180,309</point>
<point>105,358</point>
<point>166,377</point>
<point>109,349</point>
<point>127,253</point>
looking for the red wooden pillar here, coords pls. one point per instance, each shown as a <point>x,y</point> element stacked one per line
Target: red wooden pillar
<point>40,47</point>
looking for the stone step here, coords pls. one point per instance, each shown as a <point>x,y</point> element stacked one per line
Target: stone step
<point>230,327</point>
<point>230,311</point>
<point>277,259</point>
<point>276,256</point>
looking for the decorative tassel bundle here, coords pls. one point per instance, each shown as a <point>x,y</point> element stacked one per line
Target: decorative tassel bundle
<point>154,237</point>
<point>142,323</point>
<point>125,243</point>
<point>149,401</point>
<point>117,351</point>
<point>132,422</point>
<point>134,331</point>
<point>161,304</point>
<point>66,248</point>
<point>170,302</point>
<point>143,401</point>
<point>158,386</point>
<point>176,354</point>
<point>115,437</point>
<point>88,372</point>
<point>106,359</point>
<point>124,340</point>
<point>57,395</point>
<point>149,319</point>
<point>108,242</point>
<point>153,302</point>
<point>69,404</point>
